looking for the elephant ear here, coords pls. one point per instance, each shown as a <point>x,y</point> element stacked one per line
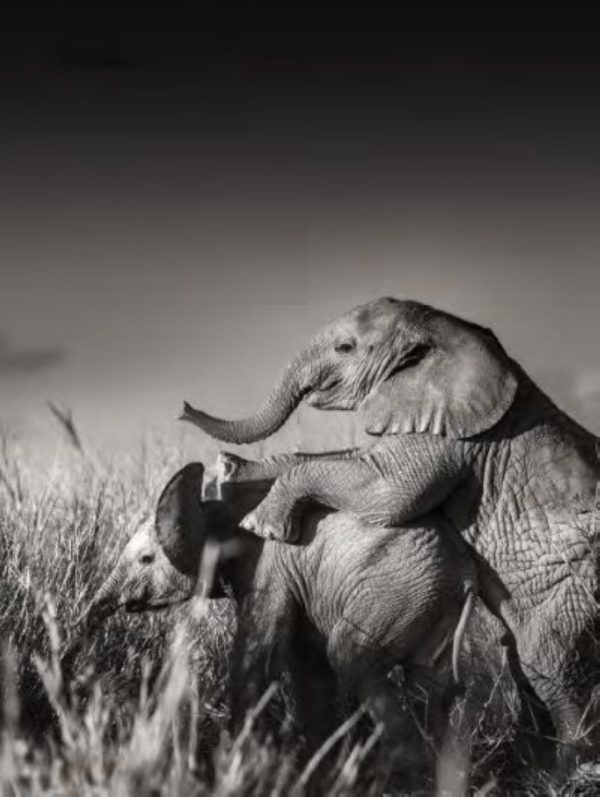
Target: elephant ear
<point>458,392</point>
<point>178,520</point>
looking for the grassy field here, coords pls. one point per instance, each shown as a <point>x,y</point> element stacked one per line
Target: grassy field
<point>147,712</point>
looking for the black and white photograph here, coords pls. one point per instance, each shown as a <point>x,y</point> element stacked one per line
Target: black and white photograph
<point>299,402</point>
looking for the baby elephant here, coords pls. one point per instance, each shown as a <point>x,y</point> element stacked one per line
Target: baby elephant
<point>340,610</point>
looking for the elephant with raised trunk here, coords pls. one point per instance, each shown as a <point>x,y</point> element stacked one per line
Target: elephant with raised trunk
<point>456,425</point>
<point>329,613</point>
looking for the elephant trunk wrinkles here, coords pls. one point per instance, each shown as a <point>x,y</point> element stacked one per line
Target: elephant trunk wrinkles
<point>283,400</point>
<point>104,603</point>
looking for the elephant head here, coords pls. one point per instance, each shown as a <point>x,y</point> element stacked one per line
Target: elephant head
<point>159,566</point>
<point>405,366</point>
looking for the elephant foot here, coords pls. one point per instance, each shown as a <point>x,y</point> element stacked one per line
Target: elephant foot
<point>269,522</point>
<point>230,467</point>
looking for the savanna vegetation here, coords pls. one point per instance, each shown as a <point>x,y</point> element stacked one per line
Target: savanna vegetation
<point>146,710</point>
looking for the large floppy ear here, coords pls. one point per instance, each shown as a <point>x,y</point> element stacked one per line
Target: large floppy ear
<point>458,390</point>
<point>178,519</point>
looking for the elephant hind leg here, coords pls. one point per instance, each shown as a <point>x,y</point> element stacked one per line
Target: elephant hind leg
<point>407,747</point>
<point>363,672</point>
<point>448,732</point>
<point>545,646</point>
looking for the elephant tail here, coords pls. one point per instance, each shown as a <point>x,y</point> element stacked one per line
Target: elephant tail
<point>459,633</point>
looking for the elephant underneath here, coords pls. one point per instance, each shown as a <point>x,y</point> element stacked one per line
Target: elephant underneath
<point>340,611</point>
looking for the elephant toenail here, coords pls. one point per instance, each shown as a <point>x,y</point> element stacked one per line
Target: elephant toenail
<point>248,523</point>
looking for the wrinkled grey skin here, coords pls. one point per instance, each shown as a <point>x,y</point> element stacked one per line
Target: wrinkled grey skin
<point>457,425</point>
<point>347,606</point>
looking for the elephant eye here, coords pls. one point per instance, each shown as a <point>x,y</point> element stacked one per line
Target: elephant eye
<point>345,347</point>
<point>146,558</point>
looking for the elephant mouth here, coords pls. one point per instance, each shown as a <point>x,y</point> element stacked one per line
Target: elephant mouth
<point>318,396</point>
<point>139,605</point>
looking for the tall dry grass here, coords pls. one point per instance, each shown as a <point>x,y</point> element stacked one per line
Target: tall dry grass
<point>147,711</point>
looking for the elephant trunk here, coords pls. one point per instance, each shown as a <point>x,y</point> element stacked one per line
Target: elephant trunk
<point>283,400</point>
<point>104,603</point>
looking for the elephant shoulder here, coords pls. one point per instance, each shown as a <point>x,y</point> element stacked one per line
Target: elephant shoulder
<point>567,444</point>
<point>559,465</point>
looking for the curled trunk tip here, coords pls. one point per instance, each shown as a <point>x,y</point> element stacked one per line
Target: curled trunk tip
<point>187,412</point>
<point>227,431</point>
<point>261,424</point>
<point>192,415</point>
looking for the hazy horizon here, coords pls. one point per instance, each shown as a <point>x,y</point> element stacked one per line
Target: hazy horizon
<point>183,207</point>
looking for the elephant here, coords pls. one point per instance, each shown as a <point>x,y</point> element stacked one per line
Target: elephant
<point>453,423</point>
<point>336,614</point>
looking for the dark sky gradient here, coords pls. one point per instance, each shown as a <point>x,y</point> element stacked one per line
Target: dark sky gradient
<point>185,198</point>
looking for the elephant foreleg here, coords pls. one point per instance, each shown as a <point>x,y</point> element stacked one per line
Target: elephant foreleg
<point>359,485</point>
<point>233,468</point>
<point>260,651</point>
<point>314,696</point>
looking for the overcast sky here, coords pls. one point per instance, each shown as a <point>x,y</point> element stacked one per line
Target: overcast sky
<point>184,201</point>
